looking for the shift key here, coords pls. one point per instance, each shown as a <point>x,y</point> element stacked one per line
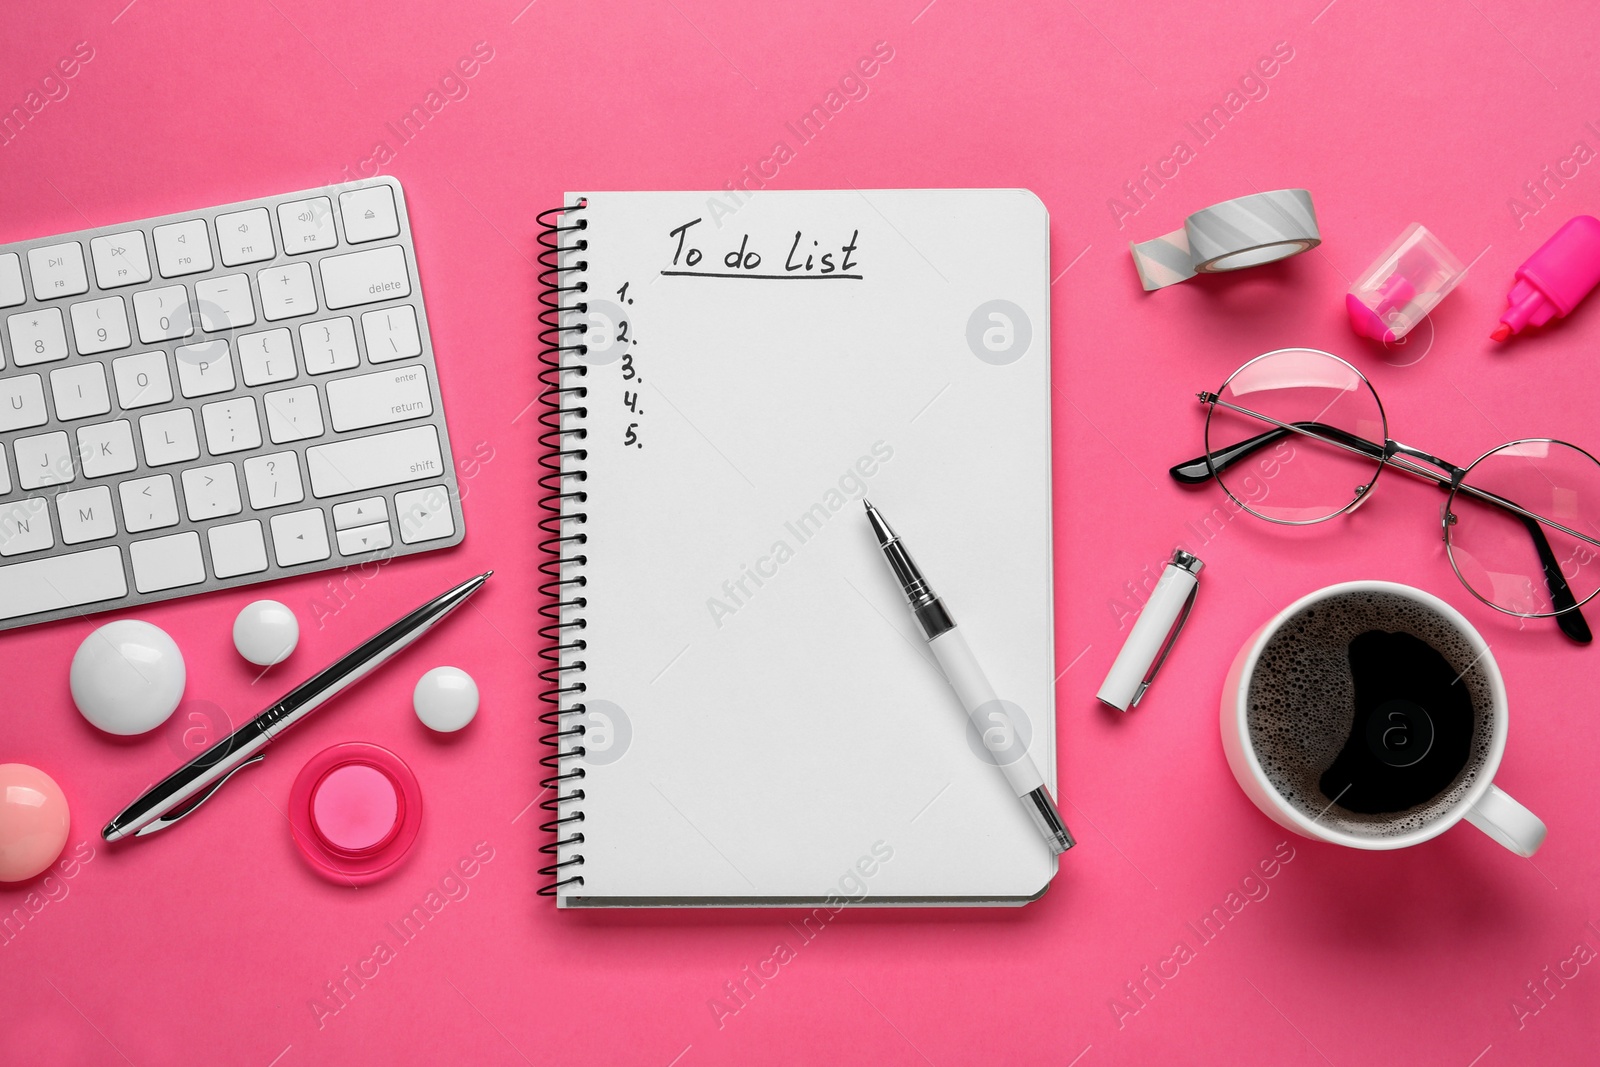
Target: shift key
<point>380,459</point>
<point>365,277</point>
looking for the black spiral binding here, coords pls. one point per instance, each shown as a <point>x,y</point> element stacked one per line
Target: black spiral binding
<point>560,567</point>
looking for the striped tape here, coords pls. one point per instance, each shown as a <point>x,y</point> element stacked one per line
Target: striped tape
<point>1247,232</point>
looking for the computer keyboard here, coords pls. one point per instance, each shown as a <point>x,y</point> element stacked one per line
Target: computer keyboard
<point>216,398</point>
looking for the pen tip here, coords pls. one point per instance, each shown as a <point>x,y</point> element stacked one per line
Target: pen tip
<point>879,526</point>
<point>867,504</point>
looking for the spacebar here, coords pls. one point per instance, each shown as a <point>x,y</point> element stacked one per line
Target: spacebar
<point>54,582</point>
<point>360,463</point>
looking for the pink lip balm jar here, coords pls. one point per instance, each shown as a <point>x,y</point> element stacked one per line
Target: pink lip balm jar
<point>355,809</point>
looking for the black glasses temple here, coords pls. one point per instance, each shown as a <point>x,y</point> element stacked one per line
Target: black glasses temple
<point>1568,617</point>
<point>1201,469</point>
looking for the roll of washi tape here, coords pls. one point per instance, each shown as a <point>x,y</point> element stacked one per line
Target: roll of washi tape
<point>1247,232</point>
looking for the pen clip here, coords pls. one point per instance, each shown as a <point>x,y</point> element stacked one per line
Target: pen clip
<point>172,818</point>
<point>1166,647</point>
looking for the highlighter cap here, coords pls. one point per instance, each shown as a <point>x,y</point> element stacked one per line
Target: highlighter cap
<point>1402,285</point>
<point>1567,266</point>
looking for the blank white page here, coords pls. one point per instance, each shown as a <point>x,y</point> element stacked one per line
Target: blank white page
<point>766,723</point>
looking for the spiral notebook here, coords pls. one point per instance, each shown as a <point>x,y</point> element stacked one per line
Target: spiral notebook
<point>740,709</point>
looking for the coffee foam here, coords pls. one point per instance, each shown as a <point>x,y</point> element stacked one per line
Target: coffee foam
<point>1301,704</point>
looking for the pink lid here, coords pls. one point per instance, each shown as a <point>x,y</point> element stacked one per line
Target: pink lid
<point>1567,266</point>
<point>1365,321</point>
<point>355,810</point>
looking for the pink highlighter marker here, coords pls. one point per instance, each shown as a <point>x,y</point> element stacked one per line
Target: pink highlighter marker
<point>1555,278</point>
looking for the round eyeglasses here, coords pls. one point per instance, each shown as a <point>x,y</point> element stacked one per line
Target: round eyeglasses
<point>1521,523</point>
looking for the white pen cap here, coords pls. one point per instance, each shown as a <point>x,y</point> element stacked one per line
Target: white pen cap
<point>1153,633</point>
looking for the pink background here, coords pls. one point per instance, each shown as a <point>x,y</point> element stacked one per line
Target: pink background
<point>210,944</point>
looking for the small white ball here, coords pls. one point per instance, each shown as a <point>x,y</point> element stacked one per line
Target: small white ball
<point>446,699</point>
<point>127,677</point>
<point>265,632</point>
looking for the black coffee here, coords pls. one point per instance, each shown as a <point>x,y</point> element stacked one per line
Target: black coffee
<point>1368,713</point>
<point>1412,731</point>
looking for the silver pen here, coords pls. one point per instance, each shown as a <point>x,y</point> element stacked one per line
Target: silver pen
<point>967,679</point>
<point>185,789</point>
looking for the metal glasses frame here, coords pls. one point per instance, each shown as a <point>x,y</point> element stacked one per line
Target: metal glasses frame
<point>1414,461</point>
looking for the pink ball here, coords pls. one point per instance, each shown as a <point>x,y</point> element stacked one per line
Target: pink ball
<point>33,821</point>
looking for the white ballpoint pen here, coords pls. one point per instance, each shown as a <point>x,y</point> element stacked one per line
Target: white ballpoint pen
<point>972,687</point>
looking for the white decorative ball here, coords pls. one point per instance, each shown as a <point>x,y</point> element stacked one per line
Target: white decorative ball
<point>127,677</point>
<point>446,699</point>
<point>265,632</point>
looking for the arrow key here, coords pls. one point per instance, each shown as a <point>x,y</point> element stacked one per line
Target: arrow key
<point>363,539</point>
<point>300,537</point>
<point>424,514</point>
<point>353,513</point>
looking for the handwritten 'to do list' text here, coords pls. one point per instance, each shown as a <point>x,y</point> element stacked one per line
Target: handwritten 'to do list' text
<point>807,258</point>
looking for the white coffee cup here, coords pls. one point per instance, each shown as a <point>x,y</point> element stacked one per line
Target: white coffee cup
<point>1484,804</point>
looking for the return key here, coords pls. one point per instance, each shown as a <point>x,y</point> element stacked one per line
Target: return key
<point>379,398</point>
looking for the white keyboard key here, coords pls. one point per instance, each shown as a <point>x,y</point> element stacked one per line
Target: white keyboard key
<point>5,476</point>
<point>106,449</point>
<point>169,437</point>
<point>286,292</point>
<point>204,368</point>
<point>273,480</point>
<point>245,237</point>
<point>329,345</point>
<point>299,537</point>
<point>183,248</point>
<point>37,336</point>
<point>365,277</point>
<point>231,425</point>
<point>120,259</point>
<point>377,399</point>
<point>369,214</point>
<point>293,414</point>
<point>224,303</point>
<point>163,314</point>
<point>80,391</point>
<point>25,527</point>
<point>424,514</point>
<point>211,492</point>
<point>55,582</point>
<point>391,333</point>
<point>22,402</point>
<point>11,291</point>
<point>86,515</point>
<point>57,271</point>
<point>167,562</point>
<point>100,325</point>
<point>362,463</point>
<point>148,503</point>
<point>361,539</point>
<point>142,379</point>
<point>353,513</point>
<point>43,460</point>
<point>267,357</point>
<point>237,548</point>
<point>307,225</point>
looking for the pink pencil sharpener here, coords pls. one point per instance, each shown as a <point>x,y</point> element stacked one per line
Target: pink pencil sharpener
<point>1402,286</point>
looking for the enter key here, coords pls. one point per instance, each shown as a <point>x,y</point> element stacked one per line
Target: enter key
<point>380,398</point>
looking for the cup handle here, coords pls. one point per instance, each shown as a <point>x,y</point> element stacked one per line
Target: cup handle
<point>1507,821</point>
